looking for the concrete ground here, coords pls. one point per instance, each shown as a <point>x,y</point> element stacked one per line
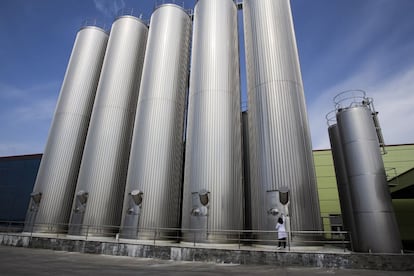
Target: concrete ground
<point>26,261</point>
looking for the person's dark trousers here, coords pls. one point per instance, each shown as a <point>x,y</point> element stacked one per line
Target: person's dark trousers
<point>282,241</point>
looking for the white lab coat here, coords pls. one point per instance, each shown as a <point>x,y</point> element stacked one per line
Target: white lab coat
<point>281,230</point>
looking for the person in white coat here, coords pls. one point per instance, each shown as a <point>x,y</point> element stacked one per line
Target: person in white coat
<point>281,232</point>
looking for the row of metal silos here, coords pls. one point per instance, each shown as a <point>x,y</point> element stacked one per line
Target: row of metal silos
<point>131,172</point>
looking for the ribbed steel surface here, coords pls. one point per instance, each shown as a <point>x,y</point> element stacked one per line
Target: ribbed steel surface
<point>156,161</point>
<point>59,168</point>
<point>104,164</point>
<point>343,183</point>
<point>280,143</point>
<point>213,150</point>
<point>376,225</point>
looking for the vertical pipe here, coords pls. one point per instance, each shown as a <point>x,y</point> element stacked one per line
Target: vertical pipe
<point>246,171</point>
<point>56,180</point>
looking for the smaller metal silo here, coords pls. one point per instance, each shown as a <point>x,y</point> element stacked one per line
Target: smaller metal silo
<point>153,191</point>
<point>375,222</point>
<point>97,205</point>
<point>52,196</point>
<point>343,184</point>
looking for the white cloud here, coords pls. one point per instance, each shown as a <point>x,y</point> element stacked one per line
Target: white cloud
<point>109,8</point>
<point>370,58</point>
<point>9,92</point>
<point>10,148</point>
<point>393,99</point>
<point>28,104</point>
<point>41,109</point>
<point>26,114</point>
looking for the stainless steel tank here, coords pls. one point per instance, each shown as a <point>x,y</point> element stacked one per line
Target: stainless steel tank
<point>153,191</point>
<point>53,192</point>
<point>375,221</point>
<point>213,189</point>
<point>280,143</point>
<point>103,171</point>
<point>343,184</point>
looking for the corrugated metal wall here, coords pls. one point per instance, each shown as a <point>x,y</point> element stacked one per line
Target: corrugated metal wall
<point>17,177</point>
<point>157,149</point>
<point>213,151</point>
<point>59,169</point>
<point>105,161</point>
<point>280,144</point>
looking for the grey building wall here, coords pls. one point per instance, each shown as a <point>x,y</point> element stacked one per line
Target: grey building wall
<point>17,177</point>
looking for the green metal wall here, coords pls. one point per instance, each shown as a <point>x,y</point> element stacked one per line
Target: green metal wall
<point>398,160</point>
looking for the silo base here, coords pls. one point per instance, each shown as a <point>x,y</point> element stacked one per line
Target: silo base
<point>150,234</point>
<point>46,228</point>
<point>199,236</point>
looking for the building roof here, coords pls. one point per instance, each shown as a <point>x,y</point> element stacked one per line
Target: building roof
<point>21,157</point>
<point>405,185</point>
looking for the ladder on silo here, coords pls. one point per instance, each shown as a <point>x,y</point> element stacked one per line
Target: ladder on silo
<point>377,126</point>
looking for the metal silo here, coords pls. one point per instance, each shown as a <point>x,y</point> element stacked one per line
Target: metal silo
<point>53,192</point>
<point>280,143</point>
<point>343,184</point>
<point>376,226</point>
<point>103,171</point>
<point>213,191</point>
<point>153,191</point>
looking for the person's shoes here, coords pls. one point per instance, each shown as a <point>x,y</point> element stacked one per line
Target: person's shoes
<point>279,248</point>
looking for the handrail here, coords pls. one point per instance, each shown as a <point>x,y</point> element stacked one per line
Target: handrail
<point>94,22</point>
<point>178,3</point>
<point>357,98</point>
<point>158,234</point>
<point>331,118</point>
<point>22,223</point>
<point>349,98</point>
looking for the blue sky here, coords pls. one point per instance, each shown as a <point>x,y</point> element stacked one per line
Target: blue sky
<point>343,44</point>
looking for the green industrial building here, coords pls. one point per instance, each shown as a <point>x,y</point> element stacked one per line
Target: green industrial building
<point>399,166</point>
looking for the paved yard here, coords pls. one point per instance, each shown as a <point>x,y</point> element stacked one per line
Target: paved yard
<point>26,261</point>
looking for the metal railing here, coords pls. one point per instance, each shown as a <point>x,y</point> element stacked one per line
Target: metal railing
<point>95,23</point>
<point>188,237</point>
<point>179,3</point>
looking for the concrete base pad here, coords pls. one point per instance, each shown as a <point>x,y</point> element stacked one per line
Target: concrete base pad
<point>326,257</point>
